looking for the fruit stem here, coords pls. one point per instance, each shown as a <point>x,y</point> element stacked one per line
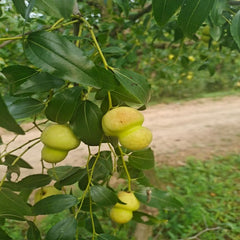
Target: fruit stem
<point>125,168</point>
<point>92,219</point>
<point>89,182</point>
<point>109,101</point>
<point>56,23</point>
<point>16,160</point>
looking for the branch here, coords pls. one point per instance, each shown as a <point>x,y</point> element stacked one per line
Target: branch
<point>136,16</point>
<point>234,3</point>
<point>200,233</point>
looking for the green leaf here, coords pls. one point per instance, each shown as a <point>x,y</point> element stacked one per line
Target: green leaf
<point>62,106</point>
<point>33,232</point>
<point>163,10</point>
<point>4,236</point>
<point>87,123</point>
<point>60,57</point>
<point>124,5</point>
<point>7,121</point>
<point>61,172</point>
<point>35,181</point>
<point>106,236</point>
<point>192,15</point>
<point>38,83</point>
<point>54,204</point>
<point>103,196</point>
<point>17,75</point>
<point>64,230</point>
<point>25,107</point>
<point>9,159</point>
<point>157,198</point>
<point>104,167</point>
<point>143,159</point>
<point>145,218</point>
<point>56,8</point>
<point>20,7</point>
<point>12,206</point>
<point>235,28</point>
<point>97,225</point>
<point>134,87</point>
<point>73,175</point>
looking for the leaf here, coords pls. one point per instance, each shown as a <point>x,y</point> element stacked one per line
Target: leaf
<point>156,198</point>
<point>60,57</point>
<point>34,181</point>
<point>104,167</point>
<point>72,176</point>
<point>20,7</point>
<point>59,173</point>
<point>54,204</point>
<point>38,83</point>
<point>143,159</point>
<point>103,196</point>
<point>192,15</point>
<point>97,225</point>
<point>7,121</point>
<point>25,107</point>
<point>145,218</point>
<point>33,232</point>
<point>134,87</point>
<point>235,28</point>
<point>56,8</point>
<point>17,75</point>
<point>87,123</point>
<point>12,206</point>
<point>163,10</point>
<point>64,230</point>
<point>4,236</point>
<point>62,106</point>
<point>9,159</point>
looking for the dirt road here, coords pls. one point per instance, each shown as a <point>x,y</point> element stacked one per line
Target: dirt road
<point>200,128</point>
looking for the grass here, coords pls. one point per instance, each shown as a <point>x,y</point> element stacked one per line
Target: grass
<point>210,193</point>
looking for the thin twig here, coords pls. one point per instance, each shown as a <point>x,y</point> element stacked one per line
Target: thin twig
<point>200,233</point>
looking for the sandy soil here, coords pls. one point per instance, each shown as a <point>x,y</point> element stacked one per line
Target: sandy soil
<point>201,128</point>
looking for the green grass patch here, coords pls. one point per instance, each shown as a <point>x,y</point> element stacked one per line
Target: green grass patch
<point>210,193</point>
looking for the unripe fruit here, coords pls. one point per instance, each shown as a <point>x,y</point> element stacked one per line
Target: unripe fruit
<point>129,198</point>
<point>53,155</point>
<point>45,192</point>
<point>206,31</point>
<point>120,119</point>
<point>120,215</point>
<point>59,137</point>
<point>126,124</point>
<point>137,139</point>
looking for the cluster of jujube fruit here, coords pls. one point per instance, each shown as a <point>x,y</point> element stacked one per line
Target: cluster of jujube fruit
<point>122,122</point>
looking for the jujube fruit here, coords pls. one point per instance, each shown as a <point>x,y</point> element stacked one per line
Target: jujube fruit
<point>44,192</point>
<point>131,202</point>
<point>120,215</point>
<point>53,155</point>
<point>126,124</point>
<point>58,140</point>
<point>59,137</point>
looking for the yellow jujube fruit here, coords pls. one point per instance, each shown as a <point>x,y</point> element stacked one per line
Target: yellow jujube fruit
<point>126,124</point>
<point>59,137</point>
<point>129,198</point>
<point>120,215</point>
